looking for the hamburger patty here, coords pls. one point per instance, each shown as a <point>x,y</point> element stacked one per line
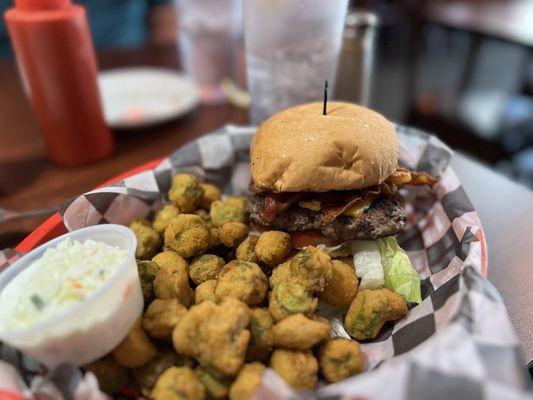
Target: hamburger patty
<point>384,217</point>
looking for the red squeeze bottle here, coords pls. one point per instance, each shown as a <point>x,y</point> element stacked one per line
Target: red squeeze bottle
<point>56,60</point>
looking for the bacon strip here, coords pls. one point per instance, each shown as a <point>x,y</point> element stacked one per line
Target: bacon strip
<point>334,203</point>
<point>422,178</point>
<point>276,203</point>
<point>331,212</point>
<point>402,177</point>
<point>387,189</point>
<point>399,177</point>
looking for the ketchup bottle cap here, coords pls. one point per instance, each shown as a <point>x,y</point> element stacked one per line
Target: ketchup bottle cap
<point>41,4</point>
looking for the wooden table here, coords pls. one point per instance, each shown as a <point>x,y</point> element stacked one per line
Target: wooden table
<point>28,181</point>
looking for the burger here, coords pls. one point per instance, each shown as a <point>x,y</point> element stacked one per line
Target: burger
<point>328,178</point>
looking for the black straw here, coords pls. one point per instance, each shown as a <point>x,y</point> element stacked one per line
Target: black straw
<point>325,109</point>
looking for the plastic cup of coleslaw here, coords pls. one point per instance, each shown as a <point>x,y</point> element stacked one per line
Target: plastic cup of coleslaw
<point>85,330</point>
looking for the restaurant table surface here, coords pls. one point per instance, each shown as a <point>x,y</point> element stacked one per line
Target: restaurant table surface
<point>29,181</point>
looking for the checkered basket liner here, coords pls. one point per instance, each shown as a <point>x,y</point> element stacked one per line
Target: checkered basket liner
<point>458,343</point>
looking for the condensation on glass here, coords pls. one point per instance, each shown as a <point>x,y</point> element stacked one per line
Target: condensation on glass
<point>292,47</point>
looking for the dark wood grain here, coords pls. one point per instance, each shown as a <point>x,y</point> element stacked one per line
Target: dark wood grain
<point>28,180</point>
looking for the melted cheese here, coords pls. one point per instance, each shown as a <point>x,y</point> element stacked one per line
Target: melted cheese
<point>358,209</point>
<point>313,205</point>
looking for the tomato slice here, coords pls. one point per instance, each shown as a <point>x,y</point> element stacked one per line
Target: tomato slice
<point>311,238</point>
<point>302,239</point>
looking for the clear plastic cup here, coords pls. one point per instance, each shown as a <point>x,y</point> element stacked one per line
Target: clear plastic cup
<point>210,32</point>
<point>292,47</point>
<point>92,328</point>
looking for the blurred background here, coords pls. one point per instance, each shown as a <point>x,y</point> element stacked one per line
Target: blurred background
<point>461,69</point>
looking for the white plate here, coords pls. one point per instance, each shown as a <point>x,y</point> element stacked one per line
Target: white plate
<point>136,97</point>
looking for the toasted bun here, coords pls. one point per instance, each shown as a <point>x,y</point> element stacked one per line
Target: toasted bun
<point>300,149</point>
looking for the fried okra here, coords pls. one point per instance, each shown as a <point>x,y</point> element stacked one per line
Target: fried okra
<point>248,380</point>
<point>111,375</point>
<point>173,283</point>
<point>272,247</point>
<point>205,291</point>
<point>215,335</point>
<point>313,267</point>
<point>222,212</point>
<point>211,194</point>
<point>136,349</point>
<point>214,236</point>
<point>299,332</point>
<point>178,383</point>
<point>147,272</point>
<point>148,240</point>
<point>242,280</point>
<point>169,259</point>
<point>340,358</point>
<point>163,217</point>
<point>298,368</point>
<point>342,288</point>
<point>185,192</point>
<point>187,235</point>
<point>290,298</point>
<point>206,267</point>
<point>239,201</point>
<point>261,323</point>
<point>281,274</point>
<point>232,234</point>
<point>216,387</point>
<point>162,316</point>
<point>246,250</point>
<point>147,375</point>
<point>370,310</point>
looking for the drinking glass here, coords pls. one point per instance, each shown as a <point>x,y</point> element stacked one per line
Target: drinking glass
<point>292,47</point>
<point>209,34</point>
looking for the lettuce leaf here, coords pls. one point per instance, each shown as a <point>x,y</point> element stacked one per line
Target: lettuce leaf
<point>368,263</point>
<point>399,273</point>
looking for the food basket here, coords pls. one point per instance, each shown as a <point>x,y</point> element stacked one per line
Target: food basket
<point>458,340</point>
